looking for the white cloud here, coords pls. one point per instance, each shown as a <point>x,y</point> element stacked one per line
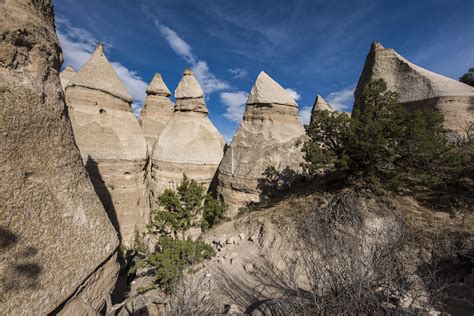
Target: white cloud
<point>78,44</point>
<point>235,102</point>
<point>208,80</point>
<point>343,99</point>
<point>239,73</point>
<point>305,114</point>
<point>293,93</point>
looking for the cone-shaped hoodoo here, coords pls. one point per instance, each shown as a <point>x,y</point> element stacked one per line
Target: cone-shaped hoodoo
<point>157,110</point>
<point>268,138</point>
<point>66,75</point>
<point>111,142</point>
<point>418,87</point>
<point>189,144</point>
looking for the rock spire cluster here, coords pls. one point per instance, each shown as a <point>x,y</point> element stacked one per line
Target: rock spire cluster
<point>189,144</point>
<point>111,142</point>
<point>418,87</point>
<point>58,249</point>
<point>270,136</point>
<point>157,110</point>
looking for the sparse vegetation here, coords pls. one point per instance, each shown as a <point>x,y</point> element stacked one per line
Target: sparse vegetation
<point>383,144</point>
<point>214,212</point>
<point>468,77</point>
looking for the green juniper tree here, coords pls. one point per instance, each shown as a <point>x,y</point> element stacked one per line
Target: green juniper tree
<point>468,77</point>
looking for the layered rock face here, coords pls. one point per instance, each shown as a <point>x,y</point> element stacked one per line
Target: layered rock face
<point>269,137</point>
<point>57,246</point>
<point>157,110</point>
<point>111,142</point>
<point>66,75</point>
<point>418,87</point>
<point>189,144</point>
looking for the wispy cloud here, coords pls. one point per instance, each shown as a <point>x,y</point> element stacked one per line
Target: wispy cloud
<point>239,73</point>
<point>342,100</point>
<point>305,115</point>
<point>293,93</point>
<point>209,81</point>
<point>78,44</point>
<point>235,102</point>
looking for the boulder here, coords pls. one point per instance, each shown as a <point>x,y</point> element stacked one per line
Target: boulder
<point>269,139</point>
<point>58,248</point>
<point>418,87</point>
<point>189,144</point>
<point>66,75</point>
<point>111,142</point>
<point>157,110</point>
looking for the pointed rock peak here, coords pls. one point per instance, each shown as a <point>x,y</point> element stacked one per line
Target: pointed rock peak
<point>68,69</point>
<point>66,75</point>
<point>188,87</point>
<point>267,91</point>
<point>321,105</point>
<point>98,74</point>
<point>158,86</point>
<point>376,46</point>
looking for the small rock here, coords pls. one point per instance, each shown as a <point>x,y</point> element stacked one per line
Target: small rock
<point>252,238</point>
<point>234,260</point>
<point>230,240</point>
<point>242,236</point>
<point>249,267</point>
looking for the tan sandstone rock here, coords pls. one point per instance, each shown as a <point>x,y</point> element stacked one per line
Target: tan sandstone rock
<point>270,136</point>
<point>111,142</point>
<point>66,75</point>
<point>189,144</point>
<point>157,110</point>
<point>418,87</point>
<point>57,246</point>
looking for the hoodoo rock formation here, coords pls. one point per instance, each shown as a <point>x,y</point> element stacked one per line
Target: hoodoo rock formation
<point>66,75</point>
<point>157,110</point>
<point>320,105</point>
<point>57,246</point>
<point>111,142</point>
<point>189,144</point>
<point>418,87</point>
<point>269,136</point>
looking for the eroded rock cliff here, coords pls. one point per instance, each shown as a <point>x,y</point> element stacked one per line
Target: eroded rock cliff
<point>57,245</point>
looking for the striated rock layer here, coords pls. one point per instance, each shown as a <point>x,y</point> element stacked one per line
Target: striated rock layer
<point>418,87</point>
<point>157,110</point>
<point>189,144</point>
<point>111,142</point>
<point>57,246</point>
<point>269,137</point>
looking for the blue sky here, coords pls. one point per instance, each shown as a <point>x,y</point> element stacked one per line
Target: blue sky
<point>311,47</point>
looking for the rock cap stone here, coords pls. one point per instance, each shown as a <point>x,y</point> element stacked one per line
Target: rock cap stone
<point>98,74</point>
<point>158,86</point>
<point>321,105</point>
<point>188,87</point>
<point>267,91</point>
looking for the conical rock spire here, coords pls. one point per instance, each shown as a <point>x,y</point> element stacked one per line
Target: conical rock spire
<point>189,94</point>
<point>268,139</point>
<point>418,87</point>
<point>157,110</point>
<point>267,91</point>
<point>321,105</point>
<point>158,87</point>
<point>66,75</point>
<point>98,74</point>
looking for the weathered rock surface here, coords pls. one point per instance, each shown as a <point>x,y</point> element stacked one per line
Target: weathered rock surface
<point>111,142</point>
<point>157,110</point>
<point>418,87</point>
<point>270,136</point>
<point>66,75</point>
<point>189,144</point>
<point>57,245</point>
<point>320,105</point>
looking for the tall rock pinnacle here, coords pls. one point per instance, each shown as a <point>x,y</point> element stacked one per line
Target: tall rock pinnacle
<point>111,142</point>
<point>58,249</point>
<point>157,110</point>
<point>268,138</point>
<point>418,87</point>
<point>189,144</point>
<point>66,75</point>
